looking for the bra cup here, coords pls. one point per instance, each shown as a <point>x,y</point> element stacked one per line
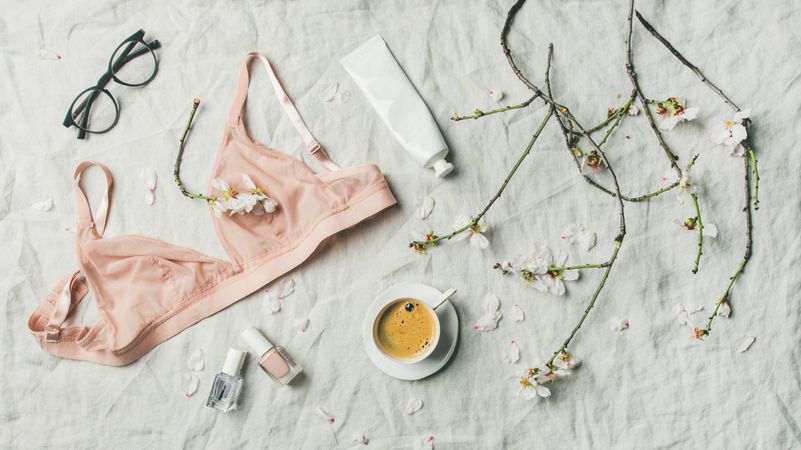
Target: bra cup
<point>302,200</point>
<point>133,291</point>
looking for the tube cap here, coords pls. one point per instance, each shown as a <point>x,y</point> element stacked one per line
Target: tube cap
<point>233,362</point>
<point>442,168</point>
<point>256,341</point>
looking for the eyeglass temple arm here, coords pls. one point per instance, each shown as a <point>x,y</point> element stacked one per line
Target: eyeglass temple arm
<point>121,60</point>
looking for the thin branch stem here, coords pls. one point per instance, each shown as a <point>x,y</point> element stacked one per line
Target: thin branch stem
<point>177,171</point>
<point>700,224</point>
<point>580,266</point>
<point>560,109</point>
<point>589,307</point>
<point>684,61</point>
<point>746,254</point>
<point>617,121</point>
<point>474,221</point>
<point>756,173</point>
<point>479,113</point>
<point>712,86</point>
<point>643,101</point>
<point>747,158</point>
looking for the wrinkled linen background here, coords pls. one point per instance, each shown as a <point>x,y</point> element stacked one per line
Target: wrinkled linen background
<point>647,387</point>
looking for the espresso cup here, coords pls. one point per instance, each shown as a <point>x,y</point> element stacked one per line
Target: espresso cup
<point>406,330</point>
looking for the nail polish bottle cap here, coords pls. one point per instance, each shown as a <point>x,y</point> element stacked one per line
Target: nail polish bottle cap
<point>233,362</point>
<point>257,342</point>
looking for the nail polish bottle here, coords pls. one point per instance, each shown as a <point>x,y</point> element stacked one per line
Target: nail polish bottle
<point>272,359</point>
<point>228,383</point>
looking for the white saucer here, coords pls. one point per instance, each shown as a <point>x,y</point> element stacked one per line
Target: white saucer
<point>449,333</point>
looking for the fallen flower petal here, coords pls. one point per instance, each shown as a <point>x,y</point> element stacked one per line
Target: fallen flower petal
<point>360,438</point>
<point>320,412</point>
<point>196,361</point>
<point>272,301</point>
<point>725,309</point>
<point>710,230</point>
<point>619,324</point>
<point>744,343</point>
<point>284,288</point>
<point>413,406</point>
<point>148,177</point>
<point>517,313</point>
<point>426,206</point>
<point>44,205</point>
<point>495,94</point>
<point>512,354</point>
<point>189,384</point>
<point>329,93</point>
<point>301,324</point>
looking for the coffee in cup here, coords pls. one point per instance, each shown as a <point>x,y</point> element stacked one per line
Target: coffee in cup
<point>406,330</point>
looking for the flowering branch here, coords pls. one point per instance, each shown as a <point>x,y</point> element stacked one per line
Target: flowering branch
<point>746,164</point>
<point>711,86</point>
<point>432,239</point>
<point>479,113</point>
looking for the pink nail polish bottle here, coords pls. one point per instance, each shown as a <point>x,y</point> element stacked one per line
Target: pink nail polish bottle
<point>272,359</point>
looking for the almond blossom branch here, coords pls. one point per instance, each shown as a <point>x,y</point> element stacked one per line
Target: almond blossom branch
<point>570,142</point>
<point>479,113</point>
<point>700,224</point>
<point>562,350</point>
<point>433,240</point>
<point>746,164</point>
<point>177,171</point>
<point>711,86</point>
<point>746,256</point>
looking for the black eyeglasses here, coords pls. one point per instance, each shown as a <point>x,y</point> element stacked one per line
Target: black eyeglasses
<point>132,64</point>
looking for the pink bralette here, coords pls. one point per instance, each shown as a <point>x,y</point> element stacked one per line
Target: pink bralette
<point>147,291</point>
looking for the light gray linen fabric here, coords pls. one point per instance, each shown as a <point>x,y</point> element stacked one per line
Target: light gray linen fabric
<point>646,387</point>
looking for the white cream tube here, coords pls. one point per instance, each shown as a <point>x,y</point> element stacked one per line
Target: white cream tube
<point>392,95</point>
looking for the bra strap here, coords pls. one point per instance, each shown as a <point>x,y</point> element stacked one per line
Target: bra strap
<point>84,211</point>
<point>312,146</point>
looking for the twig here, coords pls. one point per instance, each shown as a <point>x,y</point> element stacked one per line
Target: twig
<point>580,266</point>
<point>479,113</point>
<point>474,220</point>
<point>756,173</point>
<point>566,112</point>
<point>747,180</point>
<point>643,101</point>
<point>700,224</point>
<point>684,60</point>
<point>589,307</point>
<point>714,89</point>
<point>177,171</point>
<point>746,255</point>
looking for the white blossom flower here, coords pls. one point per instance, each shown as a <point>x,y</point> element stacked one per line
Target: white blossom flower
<point>592,163</point>
<point>566,361</point>
<point>633,110</point>
<point>261,203</point>
<point>546,375</point>
<point>670,121</point>
<point>733,133</point>
<point>477,240</point>
<point>538,271</point>
<point>533,389</point>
